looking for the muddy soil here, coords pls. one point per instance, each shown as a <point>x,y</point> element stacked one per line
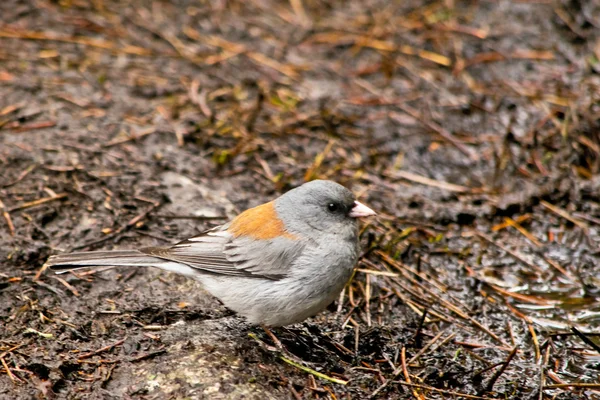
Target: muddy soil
<point>473,128</point>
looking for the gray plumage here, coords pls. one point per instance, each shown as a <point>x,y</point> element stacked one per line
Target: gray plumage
<point>272,281</point>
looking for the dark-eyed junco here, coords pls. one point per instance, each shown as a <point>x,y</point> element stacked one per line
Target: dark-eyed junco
<point>275,264</point>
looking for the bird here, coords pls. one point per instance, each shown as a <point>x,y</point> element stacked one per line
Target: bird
<point>275,264</point>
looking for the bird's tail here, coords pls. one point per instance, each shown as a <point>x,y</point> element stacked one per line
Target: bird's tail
<point>125,258</point>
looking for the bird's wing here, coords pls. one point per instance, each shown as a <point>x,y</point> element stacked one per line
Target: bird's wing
<point>220,252</point>
<point>269,258</point>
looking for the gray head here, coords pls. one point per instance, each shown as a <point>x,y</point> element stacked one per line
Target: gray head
<point>321,207</point>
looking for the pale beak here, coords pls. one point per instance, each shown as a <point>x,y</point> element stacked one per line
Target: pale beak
<point>360,210</point>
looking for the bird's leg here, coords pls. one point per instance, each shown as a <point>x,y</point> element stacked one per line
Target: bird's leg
<point>279,347</point>
<point>273,337</point>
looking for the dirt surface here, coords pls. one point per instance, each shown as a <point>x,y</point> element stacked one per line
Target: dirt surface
<point>473,128</point>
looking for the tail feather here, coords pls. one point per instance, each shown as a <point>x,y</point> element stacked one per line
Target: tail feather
<point>126,258</point>
<point>62,263</point>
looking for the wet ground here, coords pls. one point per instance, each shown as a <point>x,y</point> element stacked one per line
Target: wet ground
<point>473,128</point>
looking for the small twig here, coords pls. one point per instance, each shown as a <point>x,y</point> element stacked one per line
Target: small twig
<point>8,372</point>
<point>313,372</point>
<point>131,137</point>
<point>406,374</point>
<point>562,213</point>
<point>51,288</point>
<point>368,299</point>
<point>509,329</point>
<point>585,339</point>
<point>493,379</point>
<point>486,369</point>
<point>40,272</point>
<point>356,336</point>
<point>81,40</point>
<point>38,202</point>
<point>522,297</point>
<point>505,224</point>
<point>67,285</point>
<point>102,350</point>
<point>522,231</point>
<point>12,349</point>
<point>574,385</point>
<point>560,269</point>
<point>543,370</point>
<point>42,334</point>
<point>6,215</point>
<point>445,341</point>
<point>274,338</point>
<point>423,180</point>
<point>18,128</point>
<point>536,343</point>
<point>417,335</point>
<point>109,373</point>
<point>148,355</point>
<point>21,176</point>
<point>595,221</point>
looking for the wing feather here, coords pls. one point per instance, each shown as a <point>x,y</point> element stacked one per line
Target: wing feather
<point>218,252</point>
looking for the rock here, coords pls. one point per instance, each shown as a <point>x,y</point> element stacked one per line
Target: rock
<point>189,198</point>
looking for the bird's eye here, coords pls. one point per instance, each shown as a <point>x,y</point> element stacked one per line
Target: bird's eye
<point>332,207</point>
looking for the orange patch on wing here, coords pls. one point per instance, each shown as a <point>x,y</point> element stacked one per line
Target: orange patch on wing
<point>259,222</point>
